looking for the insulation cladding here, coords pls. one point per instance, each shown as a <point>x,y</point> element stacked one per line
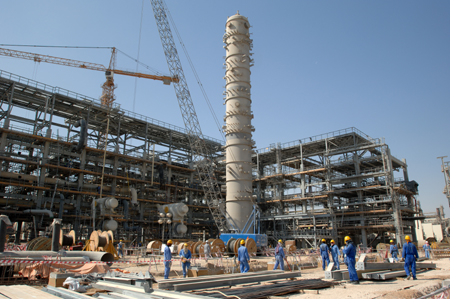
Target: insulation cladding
<point>238,128</point>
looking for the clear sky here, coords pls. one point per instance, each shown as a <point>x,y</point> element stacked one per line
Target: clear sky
<point>380,66</point>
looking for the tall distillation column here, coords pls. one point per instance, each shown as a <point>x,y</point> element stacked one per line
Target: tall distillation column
<point>238,128</point>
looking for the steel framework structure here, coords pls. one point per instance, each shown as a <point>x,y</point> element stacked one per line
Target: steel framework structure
<point>332,185</point>
<point>44,170</point>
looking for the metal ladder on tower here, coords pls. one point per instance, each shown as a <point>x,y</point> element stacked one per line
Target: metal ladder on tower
<point>202,155</point>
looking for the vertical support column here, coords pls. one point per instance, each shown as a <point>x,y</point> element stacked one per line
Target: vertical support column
<point>49,125</point>
<point>279,185</point>
<point>259,174</point>
<point>360,199</point>
<point>42,170</point>
<point>4,222</point>
<point>190,201</point>
<point>396,209</point>
<point>80,182</point>
<point>3,140</point>
<point>18,232</point>
<point>56,233</point>
<point>8,112</point>
<point>303,181</point>
<point>406,179</point>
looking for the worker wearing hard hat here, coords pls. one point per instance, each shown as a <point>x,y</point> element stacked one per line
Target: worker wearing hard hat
<point>426,247</point>
<point>243,257</point>
<point>207,250</point>
<point>410,255</point>
<point>279,255</point>
<point>185,254</point>
<point>335,253</point>
<point>350,252</point>
<point>120,248</point>
<point>167,259</point>
<point>393,249</point>
<point>324,252</point>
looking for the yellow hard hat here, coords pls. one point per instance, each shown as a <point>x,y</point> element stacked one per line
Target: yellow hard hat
<point>185,244</point>
<point>280,241</point>
<point>242,242</point>
<point>169,242</point>
<point>407,238</point>
<point>323,240</point>
<point>392,241</point>
<point>121,240</point>
<point>347,238</point>
<point>332,241</point>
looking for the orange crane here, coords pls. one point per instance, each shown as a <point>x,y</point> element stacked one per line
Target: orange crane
<point>107,97</point>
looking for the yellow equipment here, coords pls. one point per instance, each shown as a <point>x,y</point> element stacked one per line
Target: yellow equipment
<point>347,238</point>
<point>280,241</point>
<point>107,97</point>
<point>392,241</point>
<point>169,242</point>
<point>408,238</point>
<point>323,240</point>
<point>242,242</point>
<point>332,241</point>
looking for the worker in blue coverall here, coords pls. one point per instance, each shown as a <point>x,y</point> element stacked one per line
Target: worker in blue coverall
<point>393,249</point>
<point>426,247</point>
<point>350,252</point>
<point>279,255</point>
<point>335,253</point>
<point>185,254</point>
<point>410,255</point>
<point>120,248</point>
<point>324,252</point>
<point>243,257</point>
<point>167,259</point>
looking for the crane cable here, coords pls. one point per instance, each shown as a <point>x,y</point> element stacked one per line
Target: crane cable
<point>194,71</point>
<point>138,53</point>
<point>155,71</point>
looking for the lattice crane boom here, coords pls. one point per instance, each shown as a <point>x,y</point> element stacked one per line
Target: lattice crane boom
<point>202,155</point>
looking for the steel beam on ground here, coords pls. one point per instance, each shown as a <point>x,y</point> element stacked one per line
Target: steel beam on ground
<point>234,281</point>
<point>169,283</point>
<point>374,275</point>
<point>391,266</point>
<point>127,289</point>
<point>65,293</point>
<point>343,274</point>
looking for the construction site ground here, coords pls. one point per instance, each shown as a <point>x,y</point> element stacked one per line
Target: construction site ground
<point>426,282</point>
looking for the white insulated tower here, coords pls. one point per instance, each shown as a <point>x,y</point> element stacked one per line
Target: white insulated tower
<point>238,128</point>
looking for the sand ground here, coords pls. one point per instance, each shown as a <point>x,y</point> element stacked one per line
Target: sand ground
<point>396,288</point>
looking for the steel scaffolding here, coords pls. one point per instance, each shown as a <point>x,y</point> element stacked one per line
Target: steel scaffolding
<point>51,159</point>
<point>332,185</point>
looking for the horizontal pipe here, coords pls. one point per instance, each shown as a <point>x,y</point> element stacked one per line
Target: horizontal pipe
<point>39,212</point>
<point>93,256</point>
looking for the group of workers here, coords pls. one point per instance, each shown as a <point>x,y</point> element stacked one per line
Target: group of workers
<point>185,255</point>
<point>350,257</point>
<point>409,255</point>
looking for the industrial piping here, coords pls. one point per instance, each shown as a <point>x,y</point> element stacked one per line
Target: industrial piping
<point>238,128</point>
<point>39,212</point>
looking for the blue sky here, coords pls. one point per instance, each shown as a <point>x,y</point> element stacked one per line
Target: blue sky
<point>380,66</point>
